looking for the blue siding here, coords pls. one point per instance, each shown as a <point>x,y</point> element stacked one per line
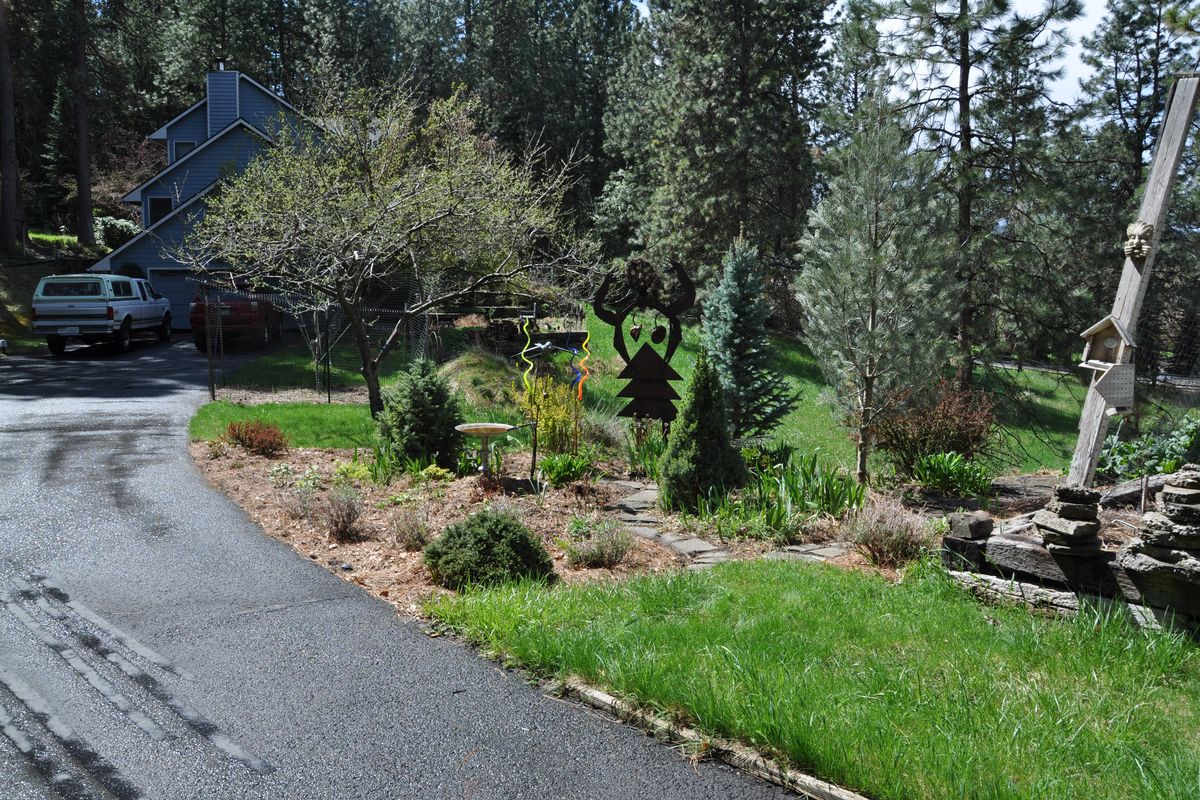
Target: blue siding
<point>261,109</point>
<point>222,100</point>
<point>231,152</point>
<point>167,275</point>
<point>191,128</point>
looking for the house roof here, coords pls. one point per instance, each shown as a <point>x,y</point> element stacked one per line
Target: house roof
<point>136,195</point>
<point>1104,323</point>
<point>161,133</point>
<point>105,264</point>
<point>273,95</point>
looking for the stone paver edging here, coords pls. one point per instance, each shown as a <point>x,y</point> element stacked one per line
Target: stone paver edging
<point>638,511</point>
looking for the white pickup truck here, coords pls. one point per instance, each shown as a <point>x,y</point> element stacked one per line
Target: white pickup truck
<point>96,307</point>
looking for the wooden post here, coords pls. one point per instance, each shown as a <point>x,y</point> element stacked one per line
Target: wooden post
<point>1135,276</point>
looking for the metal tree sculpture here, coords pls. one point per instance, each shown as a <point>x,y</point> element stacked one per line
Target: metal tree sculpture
<point>649,390</point>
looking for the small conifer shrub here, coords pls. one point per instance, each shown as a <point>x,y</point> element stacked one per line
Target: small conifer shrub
<point>700,458</point>
<point>420,414</point>
<point>485,549</point>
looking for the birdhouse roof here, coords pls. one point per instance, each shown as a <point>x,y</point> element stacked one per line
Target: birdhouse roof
<point>1110,321</point>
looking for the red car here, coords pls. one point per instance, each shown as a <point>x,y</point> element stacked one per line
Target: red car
<point>243,318</point>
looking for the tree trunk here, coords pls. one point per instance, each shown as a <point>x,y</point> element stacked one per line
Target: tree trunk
<point>83,148</point>
<point>10,231</point>
<point>370,367</point>
<point>966,314</point>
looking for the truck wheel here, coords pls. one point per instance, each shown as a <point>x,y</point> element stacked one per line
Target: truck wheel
<point>121,338</point>
<point>164,329</point>
<point>57,345</point>
<point>200,342</point>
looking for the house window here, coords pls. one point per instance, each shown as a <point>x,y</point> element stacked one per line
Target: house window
<point>159,208</point>
<point>183,148</point>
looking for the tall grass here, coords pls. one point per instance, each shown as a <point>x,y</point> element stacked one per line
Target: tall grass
<point>898,691</point>
<point>781,495</point>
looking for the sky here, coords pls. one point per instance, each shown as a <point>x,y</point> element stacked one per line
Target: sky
<point>1066,89</point>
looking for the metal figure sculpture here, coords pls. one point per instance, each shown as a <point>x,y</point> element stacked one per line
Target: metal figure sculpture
<point>650,393</point>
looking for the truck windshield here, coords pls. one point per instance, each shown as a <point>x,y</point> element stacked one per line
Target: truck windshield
<point>71,289</point>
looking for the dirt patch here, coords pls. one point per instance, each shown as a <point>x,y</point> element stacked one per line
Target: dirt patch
<point>376,560</point>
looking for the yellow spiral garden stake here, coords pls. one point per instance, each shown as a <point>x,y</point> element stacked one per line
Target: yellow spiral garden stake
<point>583,367</point>
<point>534,403</point>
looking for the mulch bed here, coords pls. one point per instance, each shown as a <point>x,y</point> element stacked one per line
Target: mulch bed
<point>376,561</point>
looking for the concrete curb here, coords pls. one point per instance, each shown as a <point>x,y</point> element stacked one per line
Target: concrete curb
<point>735,755</point>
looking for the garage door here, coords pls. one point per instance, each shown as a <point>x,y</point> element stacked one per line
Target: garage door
<point>174,285</point>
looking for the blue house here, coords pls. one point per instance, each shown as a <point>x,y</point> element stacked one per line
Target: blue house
<point>217,135</point>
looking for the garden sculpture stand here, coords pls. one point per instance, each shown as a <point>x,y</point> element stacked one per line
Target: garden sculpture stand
<point>649,390</point>
<point>485,431</point>
<point>1110,345</point>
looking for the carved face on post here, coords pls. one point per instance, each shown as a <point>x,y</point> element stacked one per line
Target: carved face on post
<point>1137,239</point>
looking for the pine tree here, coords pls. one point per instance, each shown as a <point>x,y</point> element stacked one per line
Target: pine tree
<point>959,55</point>
<point>876,297</point>
<point>731,110</point>
<point>737,342</point>
<point>700,458</point>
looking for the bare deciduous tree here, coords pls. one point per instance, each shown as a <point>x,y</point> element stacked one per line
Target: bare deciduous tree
<point>373,194</point>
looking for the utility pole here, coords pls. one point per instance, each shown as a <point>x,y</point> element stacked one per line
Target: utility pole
<point>1110,348</point>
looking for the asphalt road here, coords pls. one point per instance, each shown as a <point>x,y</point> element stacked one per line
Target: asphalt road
<point>154,643</point>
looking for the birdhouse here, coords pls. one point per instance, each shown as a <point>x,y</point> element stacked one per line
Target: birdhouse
<point>1108,343</point>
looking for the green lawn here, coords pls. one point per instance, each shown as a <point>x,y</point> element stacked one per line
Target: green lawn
<point>340,425</point>
<point>1039,410</point>
<point>291,367</point>
<point>898,691</point>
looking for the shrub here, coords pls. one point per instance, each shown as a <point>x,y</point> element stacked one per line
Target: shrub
<point>700,457</point>
<point>218,448</point>
<point>257,437</point>
<point>950,473</point>
<point>948,420</point>
<point>435,474</point>
<point>1151,453</point>
<point>347,473</point>
<point>309,479</point>
<point>297,502</point>
<point>112,232</point>
<point>563,468</point>
<point>887,533</point>
<point>342,512</point>
<point>419,415</point>
<point>281,475</point>
<point>552,403</point>
<point>487,548</point>
<point>595,543</point>
<point>410,531</point>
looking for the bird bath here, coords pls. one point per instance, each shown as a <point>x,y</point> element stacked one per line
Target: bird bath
<point>485,431</point>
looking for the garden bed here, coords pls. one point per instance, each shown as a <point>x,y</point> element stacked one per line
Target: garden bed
<point>376,561</point>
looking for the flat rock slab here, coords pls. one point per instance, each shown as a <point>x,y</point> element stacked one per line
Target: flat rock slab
<point>643,532</point>
<point>638,519</point>
<point>1178,494</point>
<point>692,547</point>
<point>1066,529</point>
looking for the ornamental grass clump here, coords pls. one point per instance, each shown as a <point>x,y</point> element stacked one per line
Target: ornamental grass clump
<point>888,534</point>
<point>596,543</point>
<point>487,548</point>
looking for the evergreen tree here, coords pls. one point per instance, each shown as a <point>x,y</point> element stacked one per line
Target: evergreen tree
<point>964,59</point>
<point>875,294</point>
<point>700,458</point>
<point>730,111</point>
<point>736,340</point>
